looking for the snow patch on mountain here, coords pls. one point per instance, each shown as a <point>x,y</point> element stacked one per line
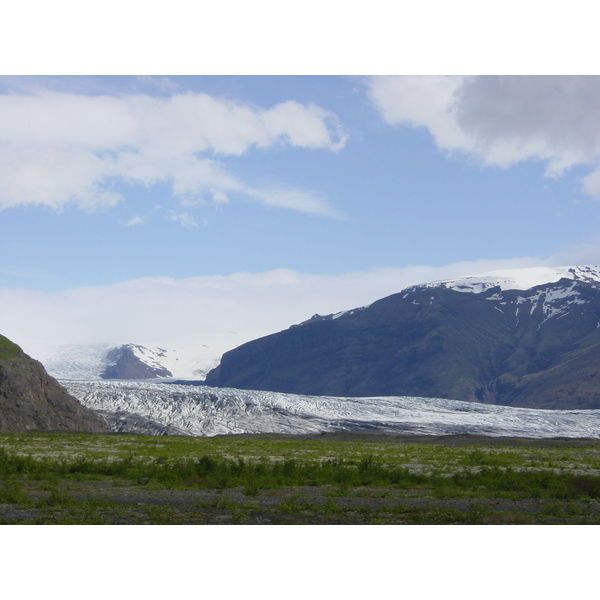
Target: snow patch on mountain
<point>156,359</point>
<point>132,361</point>
<point>555,303</point>
<point>203,411</point>
<point>333,317</point>
<point>506,279</point>
<point>517,279</point>
<point>191,361</point>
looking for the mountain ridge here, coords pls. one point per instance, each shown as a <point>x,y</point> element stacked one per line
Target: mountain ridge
<point>487,341</point>
<point>132,361</point>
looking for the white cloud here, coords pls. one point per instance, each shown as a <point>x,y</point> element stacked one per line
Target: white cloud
<point>306,126</point>
<point>420,101</point>
<point>184,219</point>
<point>295,199</point>
<point>591,183</point>
<point>160,83</point>
<point>57,147</point>
<point>54,176</point>
<point>219,196</point>
<point>502,120</point>
<point>140,219</point>
<point>135,221</point>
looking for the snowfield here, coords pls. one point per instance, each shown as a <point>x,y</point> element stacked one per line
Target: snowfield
<point>88,361</point>
<point>517,279</point>
<point>175,409</point>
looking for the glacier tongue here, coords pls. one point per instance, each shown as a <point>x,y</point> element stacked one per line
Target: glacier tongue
<point>205,411</point>
<point>72,361</point>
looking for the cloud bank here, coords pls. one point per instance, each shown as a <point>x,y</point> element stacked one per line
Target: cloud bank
<point>502,120</point>
<point>58,148</point>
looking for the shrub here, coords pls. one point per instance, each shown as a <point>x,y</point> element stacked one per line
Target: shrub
<point>584,485</point>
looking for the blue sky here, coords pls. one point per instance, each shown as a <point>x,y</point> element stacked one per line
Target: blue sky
<point>373,192</point>
<point>324,192</point>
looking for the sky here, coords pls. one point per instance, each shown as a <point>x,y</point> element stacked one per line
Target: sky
<point>157,208</point>
<point>303,186</point>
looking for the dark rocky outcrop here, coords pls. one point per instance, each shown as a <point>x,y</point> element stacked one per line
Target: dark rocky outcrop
<point>32,400</point>
<point>537,348</point>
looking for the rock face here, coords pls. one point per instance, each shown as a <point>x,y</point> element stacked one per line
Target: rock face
<point>134,362</point>
<point>31,399</point>
<point>537,348</point>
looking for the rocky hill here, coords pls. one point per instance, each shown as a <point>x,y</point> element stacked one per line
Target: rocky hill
<point>31,399</point>
<point>475,339</point>
<point>132,361</point>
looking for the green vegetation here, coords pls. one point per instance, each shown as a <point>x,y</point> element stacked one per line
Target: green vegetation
<point>89,478</point>
<point>8,349</point>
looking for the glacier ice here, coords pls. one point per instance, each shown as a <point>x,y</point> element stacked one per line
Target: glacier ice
<point>204,411</point>
<point>518,279</point>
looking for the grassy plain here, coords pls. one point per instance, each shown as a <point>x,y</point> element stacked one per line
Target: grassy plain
<point>74,478</point>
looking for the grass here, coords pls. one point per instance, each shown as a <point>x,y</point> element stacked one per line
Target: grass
<point>8,349</point>
<point>93,478</point>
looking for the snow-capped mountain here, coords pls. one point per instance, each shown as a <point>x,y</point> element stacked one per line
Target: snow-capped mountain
<point>517,279</point>
<point>528,337</point>
<point>161,408</point>
<point>507,279</point>
<point>123,361</point>
<point>132,361</point>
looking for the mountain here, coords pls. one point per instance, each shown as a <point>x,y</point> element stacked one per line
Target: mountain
<point>31,399</point>
<point>135,362</point>
<point>526,338</point>
<point>124,361</point>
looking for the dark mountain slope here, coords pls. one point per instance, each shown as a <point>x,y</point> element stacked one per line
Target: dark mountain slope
<point>31,399</point>
<point>573,382</point>
<point>537,348</point>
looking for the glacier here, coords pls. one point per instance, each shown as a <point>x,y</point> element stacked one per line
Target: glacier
<point>517,279</point>
<point>179,409</point>
<point>169,408</point>
<point>88,361</point>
